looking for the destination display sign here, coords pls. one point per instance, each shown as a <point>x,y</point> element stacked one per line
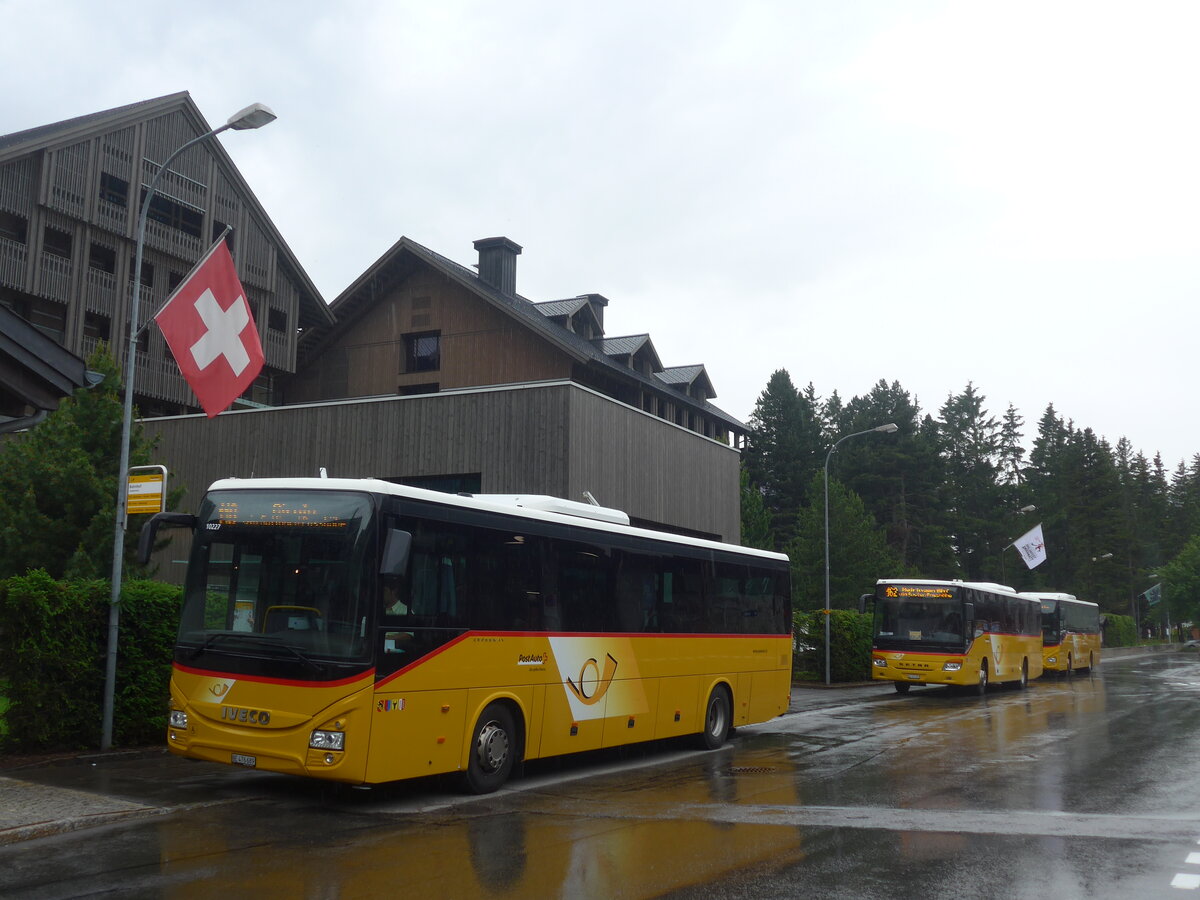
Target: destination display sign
<point>311,512</point>
<point>919,591</point>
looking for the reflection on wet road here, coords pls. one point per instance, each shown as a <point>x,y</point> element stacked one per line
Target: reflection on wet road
<point>1078,787</point>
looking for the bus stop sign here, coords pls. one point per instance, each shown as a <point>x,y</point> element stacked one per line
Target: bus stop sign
<point>147,489</point>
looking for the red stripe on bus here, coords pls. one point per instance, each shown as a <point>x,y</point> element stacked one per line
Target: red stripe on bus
<point>262,679</point>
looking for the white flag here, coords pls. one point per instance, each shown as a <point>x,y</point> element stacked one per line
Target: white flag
<point>1031,546</point>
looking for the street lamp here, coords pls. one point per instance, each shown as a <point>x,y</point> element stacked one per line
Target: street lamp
<point>889,428</point>
<point>255,115</point>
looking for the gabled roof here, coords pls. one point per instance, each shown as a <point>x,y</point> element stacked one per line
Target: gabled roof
<point>685,376</point>
<point>553,308</point>
<point>71,131</point>
<point>569,308</point>
<point>629,345</point>
<point>34,369</point>
<point>400,260</point>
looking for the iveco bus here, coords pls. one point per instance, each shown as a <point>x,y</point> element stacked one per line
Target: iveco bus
<point>363,631</point>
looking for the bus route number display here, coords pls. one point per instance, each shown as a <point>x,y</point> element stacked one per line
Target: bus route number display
<point>307,515</point>
<point>918,592</point>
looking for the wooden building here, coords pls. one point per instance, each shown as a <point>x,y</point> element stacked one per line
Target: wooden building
<point>70,194</point>
<point>423,370</point>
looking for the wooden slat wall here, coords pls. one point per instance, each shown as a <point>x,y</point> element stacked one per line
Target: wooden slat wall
<point>557,439</point>
<point>652,469</point>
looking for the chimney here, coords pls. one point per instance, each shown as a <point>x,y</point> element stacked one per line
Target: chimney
<point>498,263</point>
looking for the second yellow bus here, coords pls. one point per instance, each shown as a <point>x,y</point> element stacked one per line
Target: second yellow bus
<point>968,634</point>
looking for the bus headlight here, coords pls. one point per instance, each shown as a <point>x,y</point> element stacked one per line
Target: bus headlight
<point>882,663</point>
<point>1051,659</point>
<point>328,740</point>
<point>178,719</point>
<point>951,666</point>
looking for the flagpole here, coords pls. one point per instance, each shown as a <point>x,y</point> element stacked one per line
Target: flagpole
<point>254,116</point>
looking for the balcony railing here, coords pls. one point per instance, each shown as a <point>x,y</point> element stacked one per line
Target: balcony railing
<point>13,257</point>
<point>100,293</point>
<point>56,277</point>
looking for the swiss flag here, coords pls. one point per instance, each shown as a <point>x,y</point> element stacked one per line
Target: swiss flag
<point>209,328</point>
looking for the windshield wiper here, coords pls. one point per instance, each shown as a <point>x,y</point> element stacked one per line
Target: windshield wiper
<point>260,641</point>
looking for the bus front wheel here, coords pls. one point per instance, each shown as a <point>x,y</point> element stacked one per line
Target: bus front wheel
<point>716,718</point>
<point>902,686</point>
<point>981,687</point>
<point>493,749</point>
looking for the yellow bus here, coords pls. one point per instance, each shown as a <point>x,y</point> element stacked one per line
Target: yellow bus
<point>968,634</point>
<point>364,632</point>
<point>1070,632</point>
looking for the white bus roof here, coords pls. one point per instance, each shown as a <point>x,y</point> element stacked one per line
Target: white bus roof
<point>1055,595</point>
<point>978,585</point>
<point>530,506</point>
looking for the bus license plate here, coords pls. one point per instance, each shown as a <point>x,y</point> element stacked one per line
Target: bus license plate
<point>248,761</point>
<point>911,677</point>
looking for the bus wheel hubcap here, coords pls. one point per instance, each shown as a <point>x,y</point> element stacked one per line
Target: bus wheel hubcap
<point>492,747</point>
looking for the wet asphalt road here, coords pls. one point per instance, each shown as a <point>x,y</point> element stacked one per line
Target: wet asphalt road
<point>1086,787</point>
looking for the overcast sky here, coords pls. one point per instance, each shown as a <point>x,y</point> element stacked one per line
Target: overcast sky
<point>933,193</point>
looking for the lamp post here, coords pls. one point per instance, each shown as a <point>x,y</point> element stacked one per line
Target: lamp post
<point>255,115</point>
<point>889,428</point>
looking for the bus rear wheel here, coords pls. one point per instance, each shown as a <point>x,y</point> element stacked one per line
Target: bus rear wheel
<point>716,718</point>
<point>493,750</point>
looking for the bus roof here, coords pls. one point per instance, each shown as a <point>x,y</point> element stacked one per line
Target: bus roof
<point>528,506</point>
<point>1056,596</point>
<point>977,585</point>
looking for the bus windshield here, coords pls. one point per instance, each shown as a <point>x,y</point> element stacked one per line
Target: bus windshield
<point>906,616</point>
<point>279,574</point>
<point>1051,627</point>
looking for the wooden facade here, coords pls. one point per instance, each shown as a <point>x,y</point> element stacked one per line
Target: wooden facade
<point>554,438</point>
<point>422,370</point>
<point>482,332</point>
<point>70,194</point>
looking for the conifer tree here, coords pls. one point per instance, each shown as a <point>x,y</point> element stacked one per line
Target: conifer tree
<point>58,483</point>
<point>782,450</point>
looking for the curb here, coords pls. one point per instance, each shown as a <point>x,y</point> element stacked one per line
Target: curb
<point>62,826</point>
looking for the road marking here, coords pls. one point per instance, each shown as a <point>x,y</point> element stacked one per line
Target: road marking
<point>1187,882</point>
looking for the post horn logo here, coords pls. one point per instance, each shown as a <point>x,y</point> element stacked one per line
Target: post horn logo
<point>219,688</point>
<point>599,683</point>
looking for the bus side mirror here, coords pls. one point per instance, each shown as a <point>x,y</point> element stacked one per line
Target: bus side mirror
<point>395,553</point>
<point>150,531</point>
<point>862,602</point>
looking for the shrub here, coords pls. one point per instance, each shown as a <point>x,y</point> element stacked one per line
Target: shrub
<point>53,647</point>
<point>1119,631</point>
<point>849,646</point>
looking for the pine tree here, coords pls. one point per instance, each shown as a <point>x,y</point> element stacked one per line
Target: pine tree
<point>969,444</point>
<point>782,450</point>
<point>898,476</point>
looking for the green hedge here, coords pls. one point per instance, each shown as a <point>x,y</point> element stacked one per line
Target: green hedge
<point>53,647</point>
<point>849,646</point>
<point>1119,631</point>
